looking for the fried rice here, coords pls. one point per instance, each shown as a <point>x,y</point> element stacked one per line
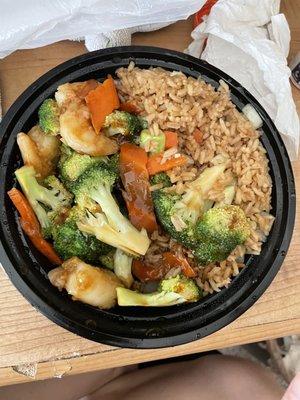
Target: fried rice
<point>172,101</point>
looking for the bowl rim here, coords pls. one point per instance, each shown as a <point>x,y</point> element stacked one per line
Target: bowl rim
<point>88,332</point>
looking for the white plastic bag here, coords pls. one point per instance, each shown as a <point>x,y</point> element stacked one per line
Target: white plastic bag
<point>249,40</point>
<point>33,23</point>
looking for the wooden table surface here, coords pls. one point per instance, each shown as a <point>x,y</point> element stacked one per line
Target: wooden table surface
<point>30,344</point>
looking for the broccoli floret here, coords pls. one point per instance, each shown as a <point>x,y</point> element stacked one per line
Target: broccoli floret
<point>92,189</point>
<point>161,178</point>
<point>108,260</point>
<point>219,232</point>
<point>69,241</point>
<point>122,122</point>
<point>113,163</point>
<point>164,205</point>
<point>178,214</point>
<point>122,267</point>
<point>193,202</point>
<point>176,290</point>
<point>152,143</point>
<point>49,117</point>
<point>143,122</point>
<point>71,164</point>
<point>97,174</point>
<point>186,287</point>
<point>213,237</point>
<point>47,202</point>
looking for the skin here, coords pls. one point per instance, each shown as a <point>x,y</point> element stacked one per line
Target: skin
<point>208,378</point>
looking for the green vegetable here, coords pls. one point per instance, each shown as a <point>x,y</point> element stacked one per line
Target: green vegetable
<point>222,228</point>
<point>143,122</point>
<point>122,267</point>
<point>47,202</point>
<point>122,122</point>
<point>113,163</point>
<point>193,202</point>
<point>176,290</point>
<point>108,260</point>
<point>164,205</point>
<point>49,117</point>
<point>69,241</point>
<point>71,164</point>
<point>186,287</point>
<point>92,190</point>
<point>212,237</point>
<point>162,178</point>
<point>151,143</point>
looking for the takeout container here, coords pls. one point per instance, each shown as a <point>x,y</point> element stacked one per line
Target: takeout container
<point>138,327</point>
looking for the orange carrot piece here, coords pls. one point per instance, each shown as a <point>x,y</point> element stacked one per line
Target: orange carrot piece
<point>146,272</point>
<point>102,101</point>
<point>171,139</point>
<point>24,208</point>
<point>129,107</point>
<point>198,136</point>
<point>174,261</point>
<point>137,195</point>
<point>31,226</point>
<point>155,165</point>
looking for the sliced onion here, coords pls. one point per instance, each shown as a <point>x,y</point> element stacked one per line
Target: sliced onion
<point>252,115</point>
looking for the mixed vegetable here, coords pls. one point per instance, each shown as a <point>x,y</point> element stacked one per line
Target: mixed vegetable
<point>96,185</point>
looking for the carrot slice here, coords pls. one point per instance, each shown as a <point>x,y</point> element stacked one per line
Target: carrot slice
<point>156,165</point>
<point>102,101</point>
<point>129,107</point>
<point>198,136</point>
<point>174,261</point>
<point>137,195</point>
<point>171,139</point>
<point>31,226</point>
<point>146,272</point>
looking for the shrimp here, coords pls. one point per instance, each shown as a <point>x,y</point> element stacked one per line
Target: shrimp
<point>76,128</point>
<point>39,150</point>
<point>69,92</point>
<point>91,285</point>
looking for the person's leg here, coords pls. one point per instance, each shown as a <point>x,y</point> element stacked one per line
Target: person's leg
<point>209,378</point>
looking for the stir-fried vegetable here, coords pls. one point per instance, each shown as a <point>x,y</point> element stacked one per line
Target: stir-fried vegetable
<point>122,122</point>
<point>129,107</point>
<point>147,272</point>
<point>47,201</point>
<point>174,261</point>
<point>122,267</point>
<point>49,117</point>
<point>152,143</point>
<point>103,217</point>
<point>171,139</point>
<point>31,226</point>
<point>171,291</point>
<point>157,163</point>
<point>102,101</point>
<point>135,178</point>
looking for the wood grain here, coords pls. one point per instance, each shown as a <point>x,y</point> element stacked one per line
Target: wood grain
<point>27,337</point>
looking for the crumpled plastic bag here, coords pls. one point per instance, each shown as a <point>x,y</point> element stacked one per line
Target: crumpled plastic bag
<point>249,41</point>
<point>35,23</point>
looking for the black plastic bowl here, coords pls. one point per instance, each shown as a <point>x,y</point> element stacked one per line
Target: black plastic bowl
<point>139,327</point>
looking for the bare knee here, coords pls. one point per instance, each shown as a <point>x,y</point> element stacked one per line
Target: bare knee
<point>239,376</point>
